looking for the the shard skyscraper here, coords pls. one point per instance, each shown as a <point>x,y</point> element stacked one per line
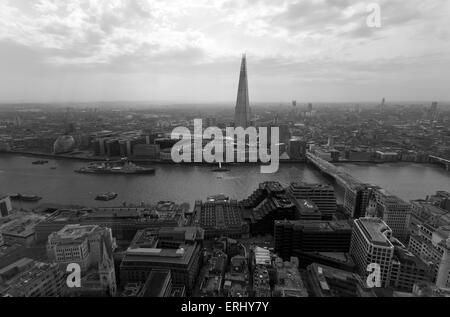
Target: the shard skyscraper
<point>242,114</point>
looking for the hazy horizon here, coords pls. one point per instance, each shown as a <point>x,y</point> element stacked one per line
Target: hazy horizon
<point>186,51</point>
<point>230,105</point>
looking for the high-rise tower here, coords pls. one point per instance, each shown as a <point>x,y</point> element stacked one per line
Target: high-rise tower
<point>242,112</point>
<point>382,104</point>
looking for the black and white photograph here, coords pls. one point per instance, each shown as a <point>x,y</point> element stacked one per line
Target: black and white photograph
<point>225,154</point>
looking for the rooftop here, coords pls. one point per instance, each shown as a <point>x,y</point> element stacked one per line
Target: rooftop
<point>326,281</point>
<point>297,185</point>
<point>405,256</point>
<point>318,225</point>
<point>76,231</point>
<point>375,230</point>
<point>290,283</point>
<point>20,224</point>
<point>26,279</point>
<point>18,265</point>
<point>181,256</point>
<point>160,211</point>
<point>307,206</point>
<point>262,256</point>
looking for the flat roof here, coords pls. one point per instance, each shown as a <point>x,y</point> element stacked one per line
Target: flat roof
<point>374,229</point>
<point>76,231</point>
<point>18,264</point>
<point>319,225</point>
<point>262,256</point>
<point>305,185</point>
<point>19,224</point>
<point>404,255</point>
<point>307,206</point>
<point>181,255</point>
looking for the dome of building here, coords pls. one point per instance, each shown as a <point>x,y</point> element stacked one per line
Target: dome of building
<point>64,144</point>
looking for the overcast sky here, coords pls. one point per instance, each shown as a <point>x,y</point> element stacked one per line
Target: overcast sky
<point>190,50</point>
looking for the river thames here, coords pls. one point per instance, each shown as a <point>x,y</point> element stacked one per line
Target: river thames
<point>182,183</point>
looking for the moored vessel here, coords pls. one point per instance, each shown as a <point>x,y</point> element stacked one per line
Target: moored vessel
<point>27,198</point>
<point>115,167</point>
<point>39,162</point>
<point>106,196</point>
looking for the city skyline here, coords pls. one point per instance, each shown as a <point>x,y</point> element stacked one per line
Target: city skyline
<point>138,158</point>
<point>79,51</point>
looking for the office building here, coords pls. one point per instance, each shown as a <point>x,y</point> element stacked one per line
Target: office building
<point>149,151</point>
<point>112,148</point>
<point>308,210</point>
<point>387,156</point>
<point>434,210</point>
<point>311,236</point>
<point>124,221</point>
<point>371,243</point>
<point>19,228</point>
<point>425,212</point>
<point>356,199</point>
<point>10,253</point>
<point>219,216</point>
<point>432,245</point>
<point>395,212</point>
<point>100,281</point>
<point>79,244</point>
<point>406,270</point>
<point>297,149</point>
<point>174,249</point>
<point>265,205</point>
<point>29,278</point>
<point>322,196</point>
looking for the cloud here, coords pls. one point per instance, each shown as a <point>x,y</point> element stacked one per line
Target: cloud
<point>319,40</point>
<point>97,32</point>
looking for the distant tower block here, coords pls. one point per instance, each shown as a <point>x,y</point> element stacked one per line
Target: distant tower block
<point>434,110</point>
<point>331,141</point>
<point>242,114</point>
<point>294,103</point>
<point>383,101</point>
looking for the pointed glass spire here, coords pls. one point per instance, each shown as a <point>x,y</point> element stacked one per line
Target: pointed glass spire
<point>242,112</point>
